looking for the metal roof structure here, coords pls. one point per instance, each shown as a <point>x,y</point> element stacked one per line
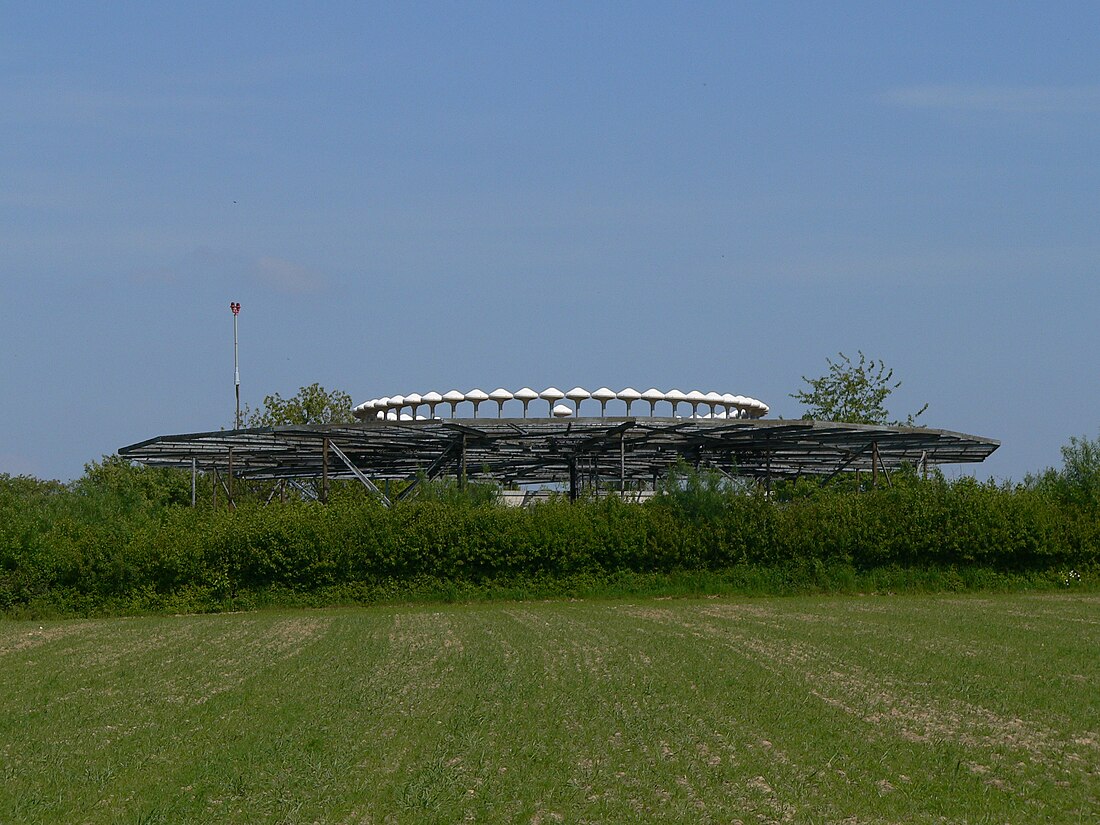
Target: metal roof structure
<point>531,451</point>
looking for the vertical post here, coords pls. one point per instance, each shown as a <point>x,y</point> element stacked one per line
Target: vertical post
<point>874,465</point>
<point>622,461</point>
<point>324,471</point>
<point>214,475</point>
<point>236,309</point>
<point>768,470</point>
<point>229,487</point>
<point>462,465</point>
<point>924,465</point>
<point>194,474</point>
<point>572,478</point>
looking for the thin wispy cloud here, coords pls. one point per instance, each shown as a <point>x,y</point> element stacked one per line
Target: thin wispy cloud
<point>286,276</point>
<point>39,98</point>
<point>1022,100</point>
<point>226,267</point>
<point>935,265</point>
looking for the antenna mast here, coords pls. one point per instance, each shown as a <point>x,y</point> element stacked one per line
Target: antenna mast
<point>236,308</point>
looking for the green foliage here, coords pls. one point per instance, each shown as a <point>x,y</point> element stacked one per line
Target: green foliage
<point>118,540</point>
<point>133,485</point>
<point>1078,481</point>
<point>698,494</point>
<point>447,490</point>
<point>311,405</point>
<point>853,393</point>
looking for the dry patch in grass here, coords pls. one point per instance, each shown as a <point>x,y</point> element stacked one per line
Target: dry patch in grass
<point>21,636</point>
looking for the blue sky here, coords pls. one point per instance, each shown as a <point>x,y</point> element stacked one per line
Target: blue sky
<point>407,197</point>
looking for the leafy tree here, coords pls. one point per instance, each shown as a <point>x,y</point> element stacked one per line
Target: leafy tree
<point>852,392</point>
<point>312,405</point>
<point>1078,482</point>
<point>130,486</point>
<point>1081,467</point>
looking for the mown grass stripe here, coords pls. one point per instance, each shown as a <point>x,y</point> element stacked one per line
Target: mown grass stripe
<point>694,710</point>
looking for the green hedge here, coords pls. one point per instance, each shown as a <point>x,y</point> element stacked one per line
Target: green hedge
<point>82,548</point>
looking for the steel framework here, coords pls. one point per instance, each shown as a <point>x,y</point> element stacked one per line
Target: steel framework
<point>532,451</point>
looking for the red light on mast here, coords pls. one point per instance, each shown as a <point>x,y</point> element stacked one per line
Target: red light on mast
<point>233,305</point>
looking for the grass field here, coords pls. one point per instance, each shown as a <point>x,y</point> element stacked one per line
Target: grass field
<point>837,709</point>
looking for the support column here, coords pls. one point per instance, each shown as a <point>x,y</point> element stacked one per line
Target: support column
<point>229,479</point>
<point>194,475</point>
<point>874,465</point>
<point>462,465</point>
<point>324,471</point>
<point>572,478</point>
<point>622,462</point>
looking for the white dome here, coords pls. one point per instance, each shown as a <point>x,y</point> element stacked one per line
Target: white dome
<point>562,411</point>
<point>454,398</point>
<point>526,395</point>
<point>722,405</point>
<point>550,395</point>
<point>475,397</point>
<point>577,395</point>
<point>674,397</point>
<point>629,395</point>
<point>653,395</point>
<point>603,395</point>
<point>500,395</point>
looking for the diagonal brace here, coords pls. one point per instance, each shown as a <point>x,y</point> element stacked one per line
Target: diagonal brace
<point>433,470</point>
<point>370,485</point>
